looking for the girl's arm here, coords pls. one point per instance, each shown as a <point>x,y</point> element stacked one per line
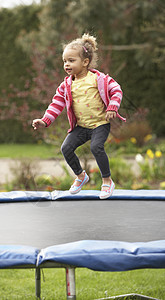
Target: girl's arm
<point>115,95</point>
<point>56,107</point>
<point>38,123</point>
<point>110,115</point>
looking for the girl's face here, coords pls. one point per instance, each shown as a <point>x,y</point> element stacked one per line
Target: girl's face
<point>74,64</point>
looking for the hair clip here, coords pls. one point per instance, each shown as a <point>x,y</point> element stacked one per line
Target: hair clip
<point>85,49</point>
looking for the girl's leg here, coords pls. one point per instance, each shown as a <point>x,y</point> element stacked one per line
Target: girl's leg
<point>98,139</point>
<point>74,139</point>
<point>99,136</point>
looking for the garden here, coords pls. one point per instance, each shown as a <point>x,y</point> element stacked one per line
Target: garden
<point>137,160</point>
<point>132,167</point>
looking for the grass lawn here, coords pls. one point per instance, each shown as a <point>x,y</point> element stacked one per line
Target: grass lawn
<point>20,284</point>
<point>42,151</point>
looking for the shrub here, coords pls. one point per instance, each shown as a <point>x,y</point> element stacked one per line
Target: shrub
<point>95,178</point>
<point>24,172</point>
<point>136,128</point>
<point>13,132</point>
<point>153,166</point>
<point>120,171</point>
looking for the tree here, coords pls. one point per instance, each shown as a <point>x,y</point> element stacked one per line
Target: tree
<point>131,49</point>
<point>24,105</point>
<point>14,61</point>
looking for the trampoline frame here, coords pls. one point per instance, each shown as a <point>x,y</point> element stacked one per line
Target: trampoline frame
<point>128,297</point>
<point>70,282</point>
<point>70,279</point>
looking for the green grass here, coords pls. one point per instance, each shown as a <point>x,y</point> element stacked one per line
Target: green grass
<point>42,151</point>
<point>47,151</point>
<point>20,284</point>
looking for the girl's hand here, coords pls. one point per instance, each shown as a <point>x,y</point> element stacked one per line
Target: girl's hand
<point>110,115</point>
<point>38,123</point>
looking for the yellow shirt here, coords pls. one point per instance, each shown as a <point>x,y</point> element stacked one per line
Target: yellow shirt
<point>87,104</point>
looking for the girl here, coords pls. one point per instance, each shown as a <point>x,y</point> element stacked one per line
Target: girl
<point>92,99</point>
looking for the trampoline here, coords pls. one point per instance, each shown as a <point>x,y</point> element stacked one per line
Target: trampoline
<point>44,220</point>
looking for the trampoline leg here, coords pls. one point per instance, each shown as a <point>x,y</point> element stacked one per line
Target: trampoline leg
<point>38,282</point>
<point>70,283</point>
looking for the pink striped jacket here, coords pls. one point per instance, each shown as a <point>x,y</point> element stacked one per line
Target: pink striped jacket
<point>109,90</point>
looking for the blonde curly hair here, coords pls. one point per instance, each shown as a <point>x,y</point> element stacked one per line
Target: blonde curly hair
<point>87,46</point>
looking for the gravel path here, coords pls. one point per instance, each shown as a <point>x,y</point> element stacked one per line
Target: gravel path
<point>51,167</point>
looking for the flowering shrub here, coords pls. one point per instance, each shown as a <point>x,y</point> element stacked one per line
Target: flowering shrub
<point>136,129</point>
<point>133,140</point>
<point>95,178</point>
<point>153,165</point>
<point>162,185</point>
<point>121,174</point>
<point>150,153</point>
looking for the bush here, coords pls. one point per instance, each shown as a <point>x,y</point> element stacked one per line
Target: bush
<point>120,171</point>
<point>153,166</point>
<point>24,172</point>
<point>12,132</point>
<point>136,128</point>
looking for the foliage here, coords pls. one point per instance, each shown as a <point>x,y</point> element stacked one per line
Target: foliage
<point>162,185</point>
<point>136,129</point>
<point>12,132</point>
<point>131,47</point>
<point>120,171</point>
<point>95,178</point>
<point>25,105</point>
<point>134,39</point>
<point>14,65</point>
<point>50,183</point>
<point>24,172</point>
<point>14,61</point>
<point>143,168</point>
<point>153,166</point>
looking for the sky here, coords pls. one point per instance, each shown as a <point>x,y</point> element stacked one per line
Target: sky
<point>13,3</point>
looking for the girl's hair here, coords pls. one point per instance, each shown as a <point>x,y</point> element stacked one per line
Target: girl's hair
<point>88,46</point>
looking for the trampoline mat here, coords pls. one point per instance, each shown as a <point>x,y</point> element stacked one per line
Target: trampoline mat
<point>42,224</point>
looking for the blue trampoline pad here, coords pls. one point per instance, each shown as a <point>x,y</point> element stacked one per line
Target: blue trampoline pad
<point>118,194</point>
<point>24,196</point>
<point>17,256</point>
<point>106,255</point>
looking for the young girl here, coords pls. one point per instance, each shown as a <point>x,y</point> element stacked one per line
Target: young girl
<point>92,99</point>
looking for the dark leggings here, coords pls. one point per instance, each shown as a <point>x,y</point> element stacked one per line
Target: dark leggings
<point>81,135</point>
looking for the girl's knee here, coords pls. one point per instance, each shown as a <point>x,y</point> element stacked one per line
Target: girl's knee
<point>65,149</point>
<point>96,149</point>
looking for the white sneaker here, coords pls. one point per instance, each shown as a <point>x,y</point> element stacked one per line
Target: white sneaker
<point>107,193</point>
<point>77,188</point>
